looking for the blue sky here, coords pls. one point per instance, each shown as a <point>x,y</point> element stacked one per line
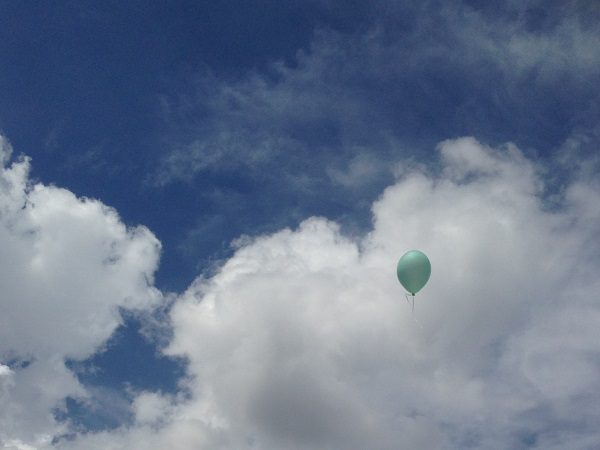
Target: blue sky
<point>167,164</point>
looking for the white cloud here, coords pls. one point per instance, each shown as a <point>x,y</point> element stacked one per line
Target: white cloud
<point>303,339</point>
<point>5,150</point>
<point>67,265</point>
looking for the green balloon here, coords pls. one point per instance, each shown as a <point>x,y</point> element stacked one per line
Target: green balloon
<point>413,271</point>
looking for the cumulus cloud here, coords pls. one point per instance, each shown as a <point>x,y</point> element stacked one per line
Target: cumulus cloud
<point>303,339</point>
<point>68,264</point>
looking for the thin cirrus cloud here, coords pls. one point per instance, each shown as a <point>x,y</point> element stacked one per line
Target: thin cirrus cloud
<point>303,339</point>
<point>418,75</point>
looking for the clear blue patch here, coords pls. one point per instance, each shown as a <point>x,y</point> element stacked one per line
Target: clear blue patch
<point>528,438</point>
<point>101,412</point>
<point>130,360</point>
<point>129,363</point>
<point>14,363</point>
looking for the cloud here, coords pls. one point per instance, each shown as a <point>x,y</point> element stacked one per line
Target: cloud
<point>324,133</point>
<point>303,339</point>
<point>5,150</point>
<point>417,74</point>
<point>68,265</point>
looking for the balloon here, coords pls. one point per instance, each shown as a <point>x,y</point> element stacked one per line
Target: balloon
<point>413,271</point>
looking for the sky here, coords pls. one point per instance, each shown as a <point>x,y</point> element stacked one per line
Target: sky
<point>202,205</point>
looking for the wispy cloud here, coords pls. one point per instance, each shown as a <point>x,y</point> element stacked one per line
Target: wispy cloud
<point>418,74</point>
<point>326,133</point>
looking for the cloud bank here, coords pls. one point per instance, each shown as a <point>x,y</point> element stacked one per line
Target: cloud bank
<point>68,264</point>
<point>303,339</point>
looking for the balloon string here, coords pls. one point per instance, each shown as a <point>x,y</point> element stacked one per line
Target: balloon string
<point>407,295</point>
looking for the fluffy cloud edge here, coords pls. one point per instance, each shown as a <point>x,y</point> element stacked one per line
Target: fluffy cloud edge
<point>69,264</point>
<point>303,341</point>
